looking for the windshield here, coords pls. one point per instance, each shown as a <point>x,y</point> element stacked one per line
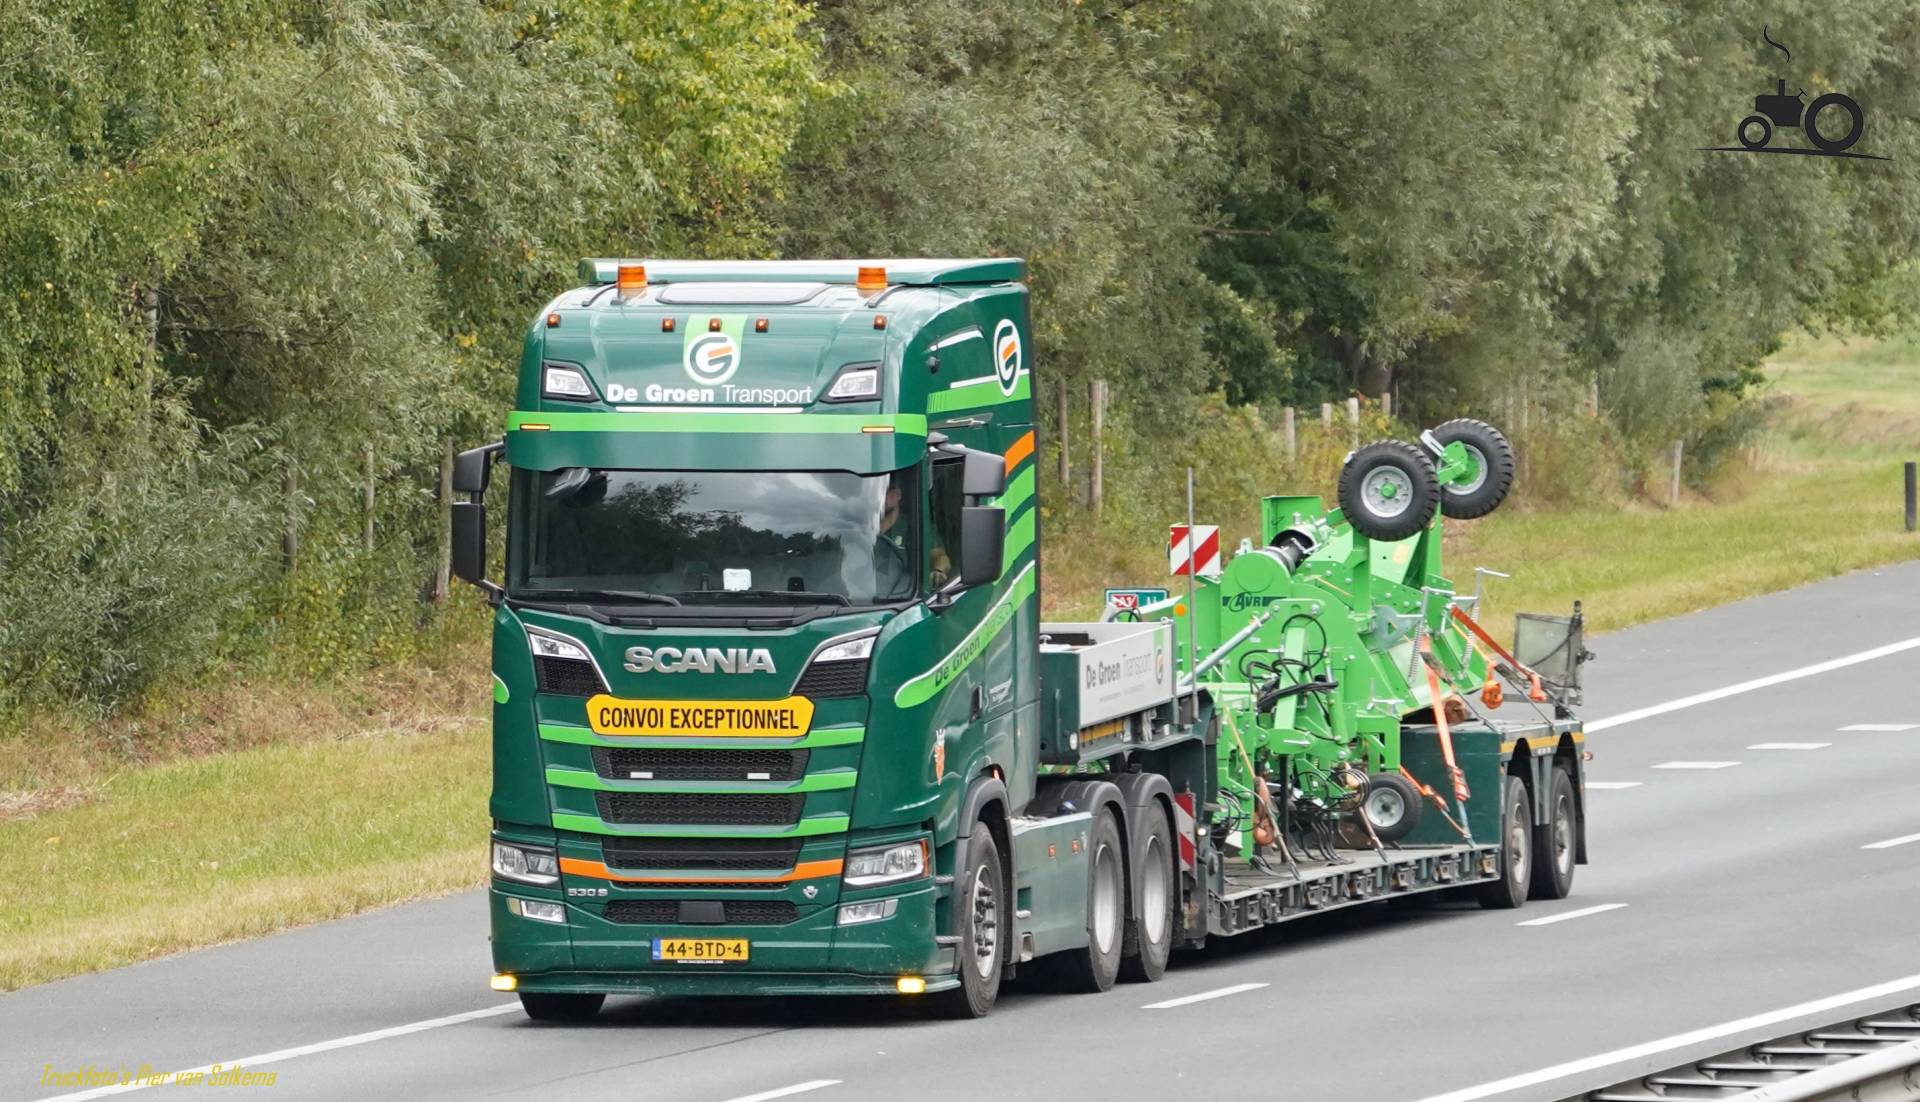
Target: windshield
<point>712,537</point>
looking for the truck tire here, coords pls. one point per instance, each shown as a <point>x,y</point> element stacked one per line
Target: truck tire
<point>1095,967</point>
<point>1516,850</point>
<point>1388,490</point>
<point>1149,940</point>
<point>980,921</point>
<point>1492,455</point>
<point>1554,845</point>
<point>1392,806</point>
<point>543,1007</point>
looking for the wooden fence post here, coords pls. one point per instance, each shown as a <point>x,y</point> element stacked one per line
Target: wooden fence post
<point>1673,493</point>
<point>443,569</point>
<point>1060,415</point>
<point>1097,395</point>
<point>1386,404</point>
<point>1287,427</point>
<point>1326,415</point>
<point>366,503</point>
<point>290,531</point>
<point>1353,418</point>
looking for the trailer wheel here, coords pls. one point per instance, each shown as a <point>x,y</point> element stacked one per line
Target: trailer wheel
<point>1492,477</point>
<point>1388,490</point>
<point>1392,806</point>
<point>980,922</point>
<point>1554,844</point>
<point>1149,941</point>
<point>1095,967</point>
<point>1516,850</point>
<point>560,1008</point>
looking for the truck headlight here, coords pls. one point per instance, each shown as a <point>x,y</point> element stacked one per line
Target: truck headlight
<point>552,646</point>
<point>564,381</point>
<point>848,651</point>
<point>886,864</point>
<point>525,864</point>
<point>855,383</point>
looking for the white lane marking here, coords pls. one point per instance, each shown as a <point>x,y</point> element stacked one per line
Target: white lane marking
<point>279,1055</point>
<point>1614,784</point>
<point>1679,1040</point>
<point>1219,993</point>
<point>1696,764</point>
<point>1790,745</point>
<point>1892,842</point>
<point>1748,686</point>
<point>1565,915</point>
<point>782,1092</point>
<point>1880,726</point>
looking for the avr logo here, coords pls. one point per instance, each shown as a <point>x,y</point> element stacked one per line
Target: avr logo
<point>711,358</point>
<point>1006,355</point>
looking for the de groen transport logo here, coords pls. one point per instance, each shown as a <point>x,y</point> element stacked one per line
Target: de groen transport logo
<point>1006,355</point>
<point>711,356</point>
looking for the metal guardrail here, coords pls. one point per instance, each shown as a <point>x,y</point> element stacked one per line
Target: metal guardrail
<point>1875,1058</point>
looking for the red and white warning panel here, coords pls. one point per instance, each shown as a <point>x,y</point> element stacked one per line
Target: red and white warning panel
<point>1196,553</point>
<point>1183,824</point>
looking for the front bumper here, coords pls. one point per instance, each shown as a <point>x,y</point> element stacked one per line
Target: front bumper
<point>811,955</point>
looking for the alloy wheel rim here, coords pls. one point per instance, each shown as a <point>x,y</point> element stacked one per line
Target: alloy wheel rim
<point>986,923</point>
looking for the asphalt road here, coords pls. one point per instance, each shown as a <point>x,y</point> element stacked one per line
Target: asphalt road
<point>1737,890</point>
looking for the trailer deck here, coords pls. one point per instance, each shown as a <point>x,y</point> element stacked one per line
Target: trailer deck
<point>1254,897</point>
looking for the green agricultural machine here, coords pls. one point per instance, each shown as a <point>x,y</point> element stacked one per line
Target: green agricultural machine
<point>775,711</point>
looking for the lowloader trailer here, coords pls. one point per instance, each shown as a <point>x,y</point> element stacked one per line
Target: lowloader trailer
<point>775,711</point>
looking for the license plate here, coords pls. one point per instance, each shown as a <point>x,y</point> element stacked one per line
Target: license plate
<point>705,950</point>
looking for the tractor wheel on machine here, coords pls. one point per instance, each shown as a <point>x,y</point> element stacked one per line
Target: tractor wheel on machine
<point>1516,850</point>
<point>1554,844</point>
<point>1492,475</point>
<point>1149,941</point>
<point>1392,806</point>
<point>1388,490</point>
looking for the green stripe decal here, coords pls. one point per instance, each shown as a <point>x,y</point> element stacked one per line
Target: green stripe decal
<point>805,828</point>
<point>824,736</point>
<point>756,424</point>
<point>1018,490</point>
<point>826,781</point>
<point>1019,538</point>
<point>974,395</point>
<point>921,689</point>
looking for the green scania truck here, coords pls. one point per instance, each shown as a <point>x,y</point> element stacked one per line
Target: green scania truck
<point>775,711</point>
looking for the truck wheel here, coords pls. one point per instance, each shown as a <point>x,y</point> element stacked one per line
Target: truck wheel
<point>1553,844</point>
<point>1149,940</point>
<point>560,1008</point>
<point>1095,967</point>
<point>1486,487</point>
<point>1388,490</point>
<point>980,922</point>
<point>1516,850</point>
<point>1392,806</point>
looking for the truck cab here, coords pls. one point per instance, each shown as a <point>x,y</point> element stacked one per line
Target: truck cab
<point>769,567</point>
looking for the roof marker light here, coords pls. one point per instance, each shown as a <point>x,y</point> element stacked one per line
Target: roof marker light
<point>553,321</point>
<point>713,325</point>
<point>871,278</point>
<point>879,321</point>
<point>666,325</point>
<point>759,325</point>
<point>632,279</point>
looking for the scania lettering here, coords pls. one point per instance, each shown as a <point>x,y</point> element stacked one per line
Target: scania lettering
<point>775,711</point>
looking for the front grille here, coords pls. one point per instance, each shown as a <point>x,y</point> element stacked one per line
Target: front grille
<point>718,854</point>
<point>699,807</point>
<point>566,676</point>
<point>828,679</point>
<point>621,763</point>
<point>741,912</point>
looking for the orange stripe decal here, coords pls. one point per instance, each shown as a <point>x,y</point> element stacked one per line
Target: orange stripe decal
<point>1022,448</point>
<point>805,870</point>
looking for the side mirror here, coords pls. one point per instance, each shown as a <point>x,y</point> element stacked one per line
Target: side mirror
<point>470,543</point>
<point>474,467</point>
<point>985,475</point>
<point>983,540</point>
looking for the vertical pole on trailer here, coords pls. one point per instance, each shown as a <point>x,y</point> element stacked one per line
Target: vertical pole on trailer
<point>1193,654</point>
<point>1446,738</point>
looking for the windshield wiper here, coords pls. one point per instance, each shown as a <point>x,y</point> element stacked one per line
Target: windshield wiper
<point>630,596</point>
<point>784,596</point>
